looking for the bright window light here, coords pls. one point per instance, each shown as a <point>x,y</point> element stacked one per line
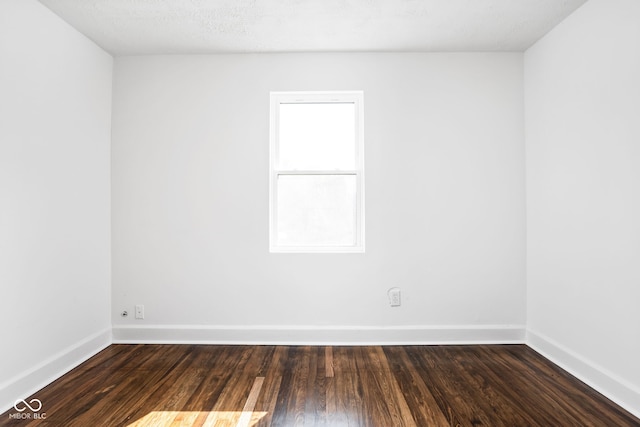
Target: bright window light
<point>317,172</point>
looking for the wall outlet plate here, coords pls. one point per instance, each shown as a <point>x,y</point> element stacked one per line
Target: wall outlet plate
<point>394,297</point>
<point>139,311</point>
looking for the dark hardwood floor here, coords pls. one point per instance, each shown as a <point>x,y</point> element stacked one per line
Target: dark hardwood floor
<point>203,385</point>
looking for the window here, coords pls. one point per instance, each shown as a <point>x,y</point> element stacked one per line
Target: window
<point>317,172</point>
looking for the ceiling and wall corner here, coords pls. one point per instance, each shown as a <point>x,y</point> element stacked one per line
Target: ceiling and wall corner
<point>142,27</point>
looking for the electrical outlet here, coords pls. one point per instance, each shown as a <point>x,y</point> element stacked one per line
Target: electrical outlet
<point>394,297</point>
<point>139,311</point>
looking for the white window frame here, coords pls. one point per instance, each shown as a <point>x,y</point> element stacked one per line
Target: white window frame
<point>277,98</point>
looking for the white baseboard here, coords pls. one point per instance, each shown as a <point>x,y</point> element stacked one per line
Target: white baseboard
<point>318,335</point>
<point>27,383</point>
<point>596,377</point>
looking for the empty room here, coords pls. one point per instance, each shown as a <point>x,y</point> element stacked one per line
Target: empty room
<point>465,249</point>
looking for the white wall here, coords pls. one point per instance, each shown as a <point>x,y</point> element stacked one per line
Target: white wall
<point>55,111</point>
<point>583,196</point>
<point>444,201</point>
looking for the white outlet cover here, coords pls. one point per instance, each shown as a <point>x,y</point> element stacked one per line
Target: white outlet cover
<point>139,311</point>
<point>394,297</point>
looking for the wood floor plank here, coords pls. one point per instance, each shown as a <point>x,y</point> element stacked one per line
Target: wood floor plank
<point>227,410</point>
<point>290,407</point>
<point>377,380</point>
<point>347,390</point>
<point>250,404</point>
<point>422,404</point>
<point>315,400</point>
<point>328,361</point>
<point>487,400</point>
<point>272,372</point>
<point>259,386</point>
<point>449,393</point>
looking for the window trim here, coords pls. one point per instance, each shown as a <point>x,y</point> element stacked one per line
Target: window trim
<point>277,98</point>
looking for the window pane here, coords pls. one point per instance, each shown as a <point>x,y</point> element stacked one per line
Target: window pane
<point>317,136</point>
<point>316,210</point>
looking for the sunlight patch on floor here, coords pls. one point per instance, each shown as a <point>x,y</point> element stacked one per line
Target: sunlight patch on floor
<point>188,418</point>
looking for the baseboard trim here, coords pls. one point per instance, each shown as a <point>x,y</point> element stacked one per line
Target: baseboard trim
<point>29,382</point>
<point>600,379</point>
<point>314,335</point>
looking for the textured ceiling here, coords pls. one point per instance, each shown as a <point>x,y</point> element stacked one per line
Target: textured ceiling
<point>132,27</point>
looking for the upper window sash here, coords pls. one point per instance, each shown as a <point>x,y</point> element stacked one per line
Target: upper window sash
<point>330,149</point>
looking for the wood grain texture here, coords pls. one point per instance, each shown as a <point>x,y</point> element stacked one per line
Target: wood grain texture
<point>200,385</point>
